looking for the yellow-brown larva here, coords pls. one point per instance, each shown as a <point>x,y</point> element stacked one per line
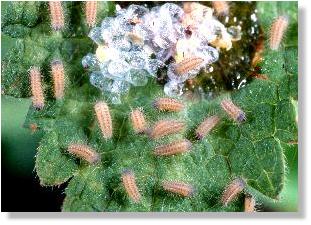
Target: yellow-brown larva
<point>176,147</point>
<point>206,126</point>
<point>138,121</point>
<point>104,118</point>
<point>233,111</point>
<point>168,104</point>
<point>57,15</point>
<point>90,12</point>
<point>221,7</point>
<point>129,183</point>
<point>188,64</point>
<point>277,31</point>
<point>36,88</point>
<point>58,75</point>
<point>180,188</point>
<point>166,127</point>
<point>84,152</point>
<point>232,191</point>
<point>249,204</point>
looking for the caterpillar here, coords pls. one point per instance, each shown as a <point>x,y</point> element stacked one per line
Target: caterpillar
<point>206,126</point>
<point>138,121</point>
<point>173,148</point>
<point>221,7</point>
<point>249,204</point>
<point>180,188</point>
<point>104,119</point>
<point>36,88</point>
<point>168,104</point>
<point>129,183</point>
<point>233,111</point>
<point>57,15</point>
<point>166,127</point>
<point>90,12</point>
<point>84,152</point>
<point>277,31</point>
<point>188,64</point>
<point>232,191</point>
<point>58,78</point>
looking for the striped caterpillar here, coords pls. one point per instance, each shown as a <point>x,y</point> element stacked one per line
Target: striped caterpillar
<point>138,121</point>
<point>168,104</point>
<point>90,12</point>
<point>104,118</point>
<point>84,152</point>
<point>188,64</point>
<point>180,188</point>
<point>206,126</point>
<point>233,111</point>
<point>58,78</point>
<point>173,148</point>
<point>36,88</point>
<point>166,127</point>
<point>232,191</point>
<point>277,31</point>
<point>57,15</point>
<point>129,183</point>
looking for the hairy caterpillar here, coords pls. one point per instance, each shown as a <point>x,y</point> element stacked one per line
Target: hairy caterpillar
<point>249,204</point>
<point>277,31</point>
<point>232,191</point>
<point>90,12</point>
<point>206,126</point>
<point>221,7</point>
<point>173,148</point>
<point>57,15</point>
<point>129,183</point>
<point>166,127</point>
<point>188,64</point>
<point>179,188</point>
<point>168,104</point>
<point>36,88</point>
<point>84,152</point>
<point>58,75</point>
<point>233,111</point>
<point>104,118</point>
<point>138,121</point>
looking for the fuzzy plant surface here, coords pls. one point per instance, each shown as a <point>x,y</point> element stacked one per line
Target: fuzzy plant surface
<point>252,150</point>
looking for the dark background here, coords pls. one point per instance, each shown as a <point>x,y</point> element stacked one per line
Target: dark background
<point>21,190</point>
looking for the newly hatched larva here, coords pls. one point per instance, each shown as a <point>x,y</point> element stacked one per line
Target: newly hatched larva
<point>168,104</point>
<point>206,126</point>
<point>90,12</point>
<point>180,188</point>
<point>221,7</point>
<point>129,183</point>
<point>277,31</point>
<point>188,64</point>
<point>176,147</point>
<point>249,204</point>
<point>232,191</point>
<point>233,111</point>
<point>57,15</point>
<point>84,152</point>
<point>166,127</point>
<point>36,88</point>
<point>58,75</point>
<point>138,121</point>
<point>104,118</point>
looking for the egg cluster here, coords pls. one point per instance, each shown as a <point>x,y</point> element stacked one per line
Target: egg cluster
<point>134,44</point>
